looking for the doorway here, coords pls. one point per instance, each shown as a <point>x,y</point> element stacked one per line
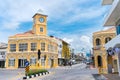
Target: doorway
<point>52,63</point>
<point>110,64</point>
<point>21,63</point>
<point>99,59</point>
<point>2,64</point>
<point>115,66</point>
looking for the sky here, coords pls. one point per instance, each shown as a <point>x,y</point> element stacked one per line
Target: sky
<point>71,20</point>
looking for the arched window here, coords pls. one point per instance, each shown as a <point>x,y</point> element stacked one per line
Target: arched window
<point>98,42</point>
<point>107,39</point>
<point>99,61</point>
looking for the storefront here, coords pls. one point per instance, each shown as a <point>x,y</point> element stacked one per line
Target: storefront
<point>114,50</point>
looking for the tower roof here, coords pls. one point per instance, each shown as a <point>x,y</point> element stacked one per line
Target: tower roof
<point>40,12</point>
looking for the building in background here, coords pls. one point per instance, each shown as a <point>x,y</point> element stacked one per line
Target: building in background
<point>102,60</point>
<point>60,58</point>
<point>113,19</point>
<point>3,52</point>
<point>65,52</point>
<point>72,53</point>
<point>79,58</point>
<point>26,46</point>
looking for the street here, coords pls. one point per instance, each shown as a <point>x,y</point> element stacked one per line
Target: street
<point>11,74</point>
<point>74,72</point>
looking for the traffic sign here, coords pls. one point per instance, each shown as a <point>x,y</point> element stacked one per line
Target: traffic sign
<point>26,63</point>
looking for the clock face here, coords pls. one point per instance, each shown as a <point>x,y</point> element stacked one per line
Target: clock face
<point>41,19</point>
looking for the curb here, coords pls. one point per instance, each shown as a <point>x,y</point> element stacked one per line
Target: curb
<point>36,75</point>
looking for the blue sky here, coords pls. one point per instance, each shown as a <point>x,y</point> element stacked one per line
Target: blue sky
<point>71,20</point>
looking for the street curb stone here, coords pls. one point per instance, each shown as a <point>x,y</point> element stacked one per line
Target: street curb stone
<point>36,75</point>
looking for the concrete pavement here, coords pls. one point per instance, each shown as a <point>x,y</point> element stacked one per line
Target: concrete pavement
<point>112,76</point>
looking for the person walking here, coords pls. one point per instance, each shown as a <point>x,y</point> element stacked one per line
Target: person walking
<point>70,63</point>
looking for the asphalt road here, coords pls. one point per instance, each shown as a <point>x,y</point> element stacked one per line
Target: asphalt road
<point>11,74</point>
<point>76,72</point>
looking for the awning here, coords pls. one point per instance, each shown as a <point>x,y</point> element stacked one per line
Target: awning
<point>106,2</point>
<point>113,14</point>
<point>113,42</point>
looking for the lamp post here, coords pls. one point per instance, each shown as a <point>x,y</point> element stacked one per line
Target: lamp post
<point>39,54</point>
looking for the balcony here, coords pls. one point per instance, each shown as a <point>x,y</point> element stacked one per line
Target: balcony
<point>113,16</point>
<point>113,42</point>
<point>97,47</point>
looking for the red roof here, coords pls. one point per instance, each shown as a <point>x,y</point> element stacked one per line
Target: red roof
<point>25,33</point>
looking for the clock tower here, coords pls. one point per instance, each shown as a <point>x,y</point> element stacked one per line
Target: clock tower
<point>40,23</point>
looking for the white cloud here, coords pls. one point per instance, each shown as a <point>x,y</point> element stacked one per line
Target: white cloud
<point>13,13</point>
<point>85,39</point>
<point>11,25</point>
<point>87,14</point>
<point>22,10</point>
<point>4,34</point>
<point>68,40</point>
<point>78,42</point>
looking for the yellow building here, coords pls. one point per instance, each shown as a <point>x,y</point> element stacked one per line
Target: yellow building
<point>102,60</point>
<point>25,46</point>
<point>65,52</point>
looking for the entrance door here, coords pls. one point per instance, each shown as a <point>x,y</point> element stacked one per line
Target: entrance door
<point>2,64</point>
<point>115,66</point>
<point>52,62</point>
<point>21,63</point>
<point>110,64</point>
<point>99,61</point>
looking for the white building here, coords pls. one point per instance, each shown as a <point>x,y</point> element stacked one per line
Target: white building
<point>3,50</point>
<point>113,19</point>
<point>60,60</point>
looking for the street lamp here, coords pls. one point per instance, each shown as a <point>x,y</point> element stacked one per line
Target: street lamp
<point>39,53</point>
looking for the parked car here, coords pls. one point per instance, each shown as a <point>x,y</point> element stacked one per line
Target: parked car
<point>88,63</point>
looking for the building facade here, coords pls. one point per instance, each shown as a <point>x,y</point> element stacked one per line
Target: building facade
<point>60,58</point>
<point>26,47</point>
<point>101,59</point>
<point>113,19</point>
<point>3,53</point>
<point>65,52</point>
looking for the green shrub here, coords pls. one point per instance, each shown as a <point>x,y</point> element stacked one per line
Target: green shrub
<point>36,71</point>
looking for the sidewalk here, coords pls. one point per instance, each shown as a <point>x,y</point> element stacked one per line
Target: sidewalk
<point>112,76</point>
<point>106,76</point>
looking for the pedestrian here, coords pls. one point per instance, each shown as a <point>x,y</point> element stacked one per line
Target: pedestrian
<point>70,63</point>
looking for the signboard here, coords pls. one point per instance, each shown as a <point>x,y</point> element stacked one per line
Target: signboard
<point>26,63</point>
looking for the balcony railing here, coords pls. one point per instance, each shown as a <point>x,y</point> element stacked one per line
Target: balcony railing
<point>97,47</point>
